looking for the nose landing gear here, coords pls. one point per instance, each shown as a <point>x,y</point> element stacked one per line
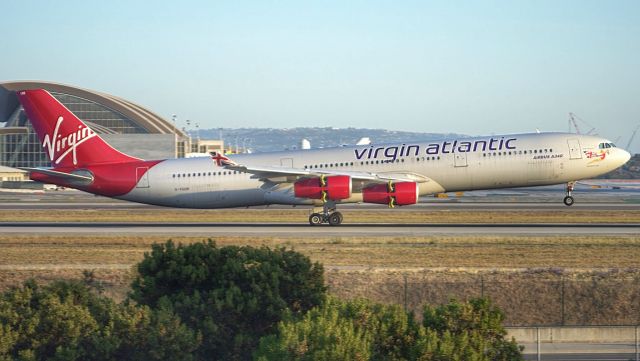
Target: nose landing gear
<point>568,199</point>
<point>328,215</point>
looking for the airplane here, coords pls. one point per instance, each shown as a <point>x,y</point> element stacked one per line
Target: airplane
<point>391,174</point>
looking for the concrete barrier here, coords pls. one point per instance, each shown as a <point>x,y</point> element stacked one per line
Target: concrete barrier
<point>573,334</point>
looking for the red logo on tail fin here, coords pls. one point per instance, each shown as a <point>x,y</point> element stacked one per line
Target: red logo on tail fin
<point>58,147</point>
<point>61,133</point>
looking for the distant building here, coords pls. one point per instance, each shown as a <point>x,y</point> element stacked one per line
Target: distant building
<point>8,174</point>
<point>126,126</point>
<point>205,146</point>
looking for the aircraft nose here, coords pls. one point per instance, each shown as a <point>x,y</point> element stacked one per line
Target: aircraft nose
<point>625,156</point>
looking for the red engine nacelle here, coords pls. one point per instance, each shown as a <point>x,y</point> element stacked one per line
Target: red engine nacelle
<point>333,187</point>
<point>401,194</point>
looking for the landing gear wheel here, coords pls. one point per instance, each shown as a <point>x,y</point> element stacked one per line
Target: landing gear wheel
<point>335,219</point>
<point>568,201</point>
<point>339,215</point>
<point>315,219</point>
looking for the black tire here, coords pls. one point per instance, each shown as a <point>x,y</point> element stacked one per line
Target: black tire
<point>568,201</point>
<point>335,219</point>
<point>340,215</point>
<point>315,219</point>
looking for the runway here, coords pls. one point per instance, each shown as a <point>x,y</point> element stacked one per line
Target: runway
<point>305,230</point>
<point>442,205</point>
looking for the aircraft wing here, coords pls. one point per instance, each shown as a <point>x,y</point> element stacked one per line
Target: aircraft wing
<point>285,175</point>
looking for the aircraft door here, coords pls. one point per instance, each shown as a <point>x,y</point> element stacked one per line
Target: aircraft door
<point>286,162</point>
<point>142,173</point>
<point>575,152</point>
<point>460,159</point>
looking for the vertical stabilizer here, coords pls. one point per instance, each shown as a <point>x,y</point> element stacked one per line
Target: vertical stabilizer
<point>67,140</point>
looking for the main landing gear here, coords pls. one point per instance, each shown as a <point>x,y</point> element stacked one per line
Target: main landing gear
<point>328,215</point>
<point>568,199</point>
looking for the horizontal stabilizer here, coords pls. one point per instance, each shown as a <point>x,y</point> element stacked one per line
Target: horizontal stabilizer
<point>53,173</point>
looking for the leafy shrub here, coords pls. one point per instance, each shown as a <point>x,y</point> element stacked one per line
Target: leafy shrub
<point>361,330</point>
<point>65,321</point>
<point>231,295</point>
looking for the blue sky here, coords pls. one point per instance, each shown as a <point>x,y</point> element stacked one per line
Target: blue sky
<point>466,67</point>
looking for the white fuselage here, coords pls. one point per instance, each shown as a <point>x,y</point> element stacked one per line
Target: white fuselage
<point>462,164</point>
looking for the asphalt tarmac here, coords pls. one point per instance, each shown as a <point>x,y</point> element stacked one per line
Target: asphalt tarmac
<point>305,230</point>
<point>443,205</point>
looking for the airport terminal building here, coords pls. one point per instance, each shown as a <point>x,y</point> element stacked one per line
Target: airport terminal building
<point>126,126</point>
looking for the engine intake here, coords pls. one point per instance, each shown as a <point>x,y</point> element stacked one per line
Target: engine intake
<point>334,187</point>
<point>393,194</point>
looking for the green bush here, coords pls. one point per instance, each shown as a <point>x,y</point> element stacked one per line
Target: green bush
<point>201,302</point>
<point>231,295</point>
<point>361,330</point>
<point>65,321</point>
<point>477,324</point>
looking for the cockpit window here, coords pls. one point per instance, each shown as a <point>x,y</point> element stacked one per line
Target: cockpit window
<point>601,146</point>
<point>612,145</point>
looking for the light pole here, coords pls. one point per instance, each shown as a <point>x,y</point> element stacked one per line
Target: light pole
<point>174,119</point>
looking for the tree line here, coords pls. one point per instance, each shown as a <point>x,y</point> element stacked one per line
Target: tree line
<point>203,302</point>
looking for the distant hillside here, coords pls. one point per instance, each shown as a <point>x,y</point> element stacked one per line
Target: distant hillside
<point>270,139</point>
<point>631,170</point>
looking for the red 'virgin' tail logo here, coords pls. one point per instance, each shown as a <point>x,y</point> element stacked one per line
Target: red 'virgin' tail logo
<point>58,147</point>
<point>62,134</point>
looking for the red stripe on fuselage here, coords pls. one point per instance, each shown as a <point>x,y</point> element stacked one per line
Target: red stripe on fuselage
<point>110,180</point>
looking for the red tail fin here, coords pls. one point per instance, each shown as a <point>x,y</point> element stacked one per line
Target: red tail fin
<point>66,139</point>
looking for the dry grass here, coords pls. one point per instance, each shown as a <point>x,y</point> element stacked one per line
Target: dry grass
<point>523,274</point>
<point>300,216</point>
<point>432,251</point>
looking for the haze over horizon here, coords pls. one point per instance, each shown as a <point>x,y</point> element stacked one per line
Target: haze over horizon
<point>470,67</point>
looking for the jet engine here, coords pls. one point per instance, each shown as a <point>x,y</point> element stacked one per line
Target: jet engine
<point>334,187</point>
<point>393,194</point>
